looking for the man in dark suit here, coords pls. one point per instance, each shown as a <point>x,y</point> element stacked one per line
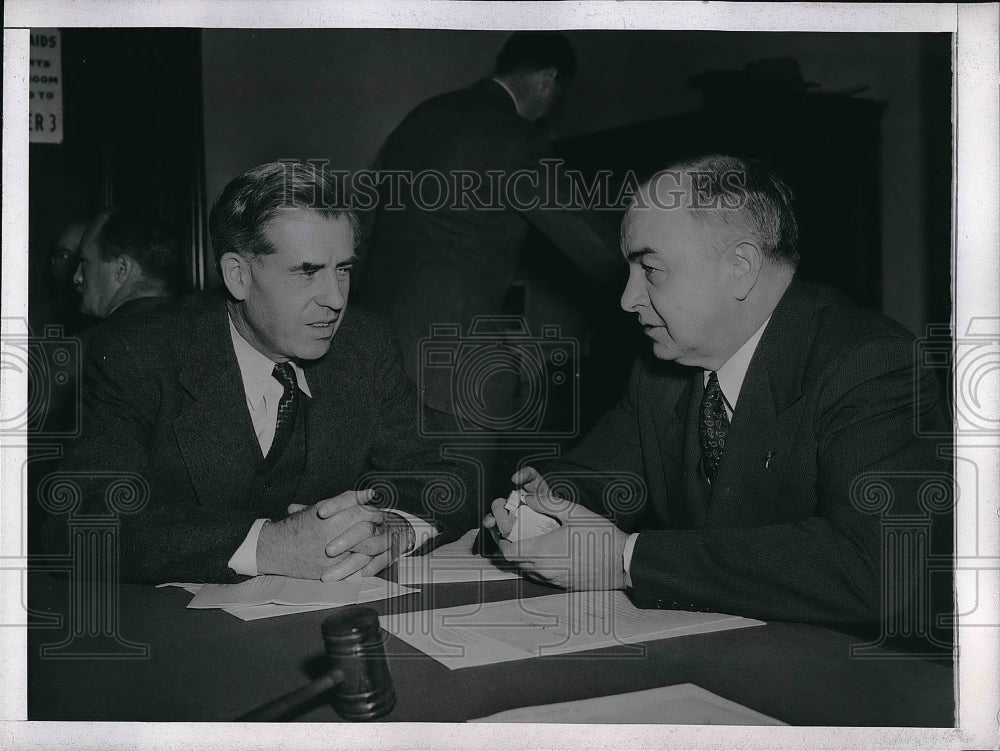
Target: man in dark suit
<point>126,262</point>
<point>129,263</point>
<point>448,263</point>
<point>774,415</point>
<point>258,422</point>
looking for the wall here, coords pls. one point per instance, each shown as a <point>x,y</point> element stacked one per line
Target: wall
<point>336,94</point>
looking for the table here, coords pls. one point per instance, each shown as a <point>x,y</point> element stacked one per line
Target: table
<point>208,665</point>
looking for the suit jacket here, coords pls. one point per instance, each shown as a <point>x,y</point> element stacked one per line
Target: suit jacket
<point>822,434</point>
<point>163,400</point>
<point>448,265</point>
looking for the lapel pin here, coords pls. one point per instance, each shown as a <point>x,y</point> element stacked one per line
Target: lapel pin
<point>768,458</point>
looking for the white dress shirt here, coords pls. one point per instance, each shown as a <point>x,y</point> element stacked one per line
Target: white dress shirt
<point>263,393</point>
<point>731,376</point>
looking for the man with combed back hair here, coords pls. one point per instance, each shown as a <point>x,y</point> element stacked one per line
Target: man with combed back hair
<point>130,262</point>
<point>259,418</point>
<point>770,413</point>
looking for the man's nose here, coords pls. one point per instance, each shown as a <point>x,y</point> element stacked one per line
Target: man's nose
<point>633,293</point>
<point>78,275</point>
<point>331,295</point>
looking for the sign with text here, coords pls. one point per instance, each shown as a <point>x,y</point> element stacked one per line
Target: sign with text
<point>45,102</point>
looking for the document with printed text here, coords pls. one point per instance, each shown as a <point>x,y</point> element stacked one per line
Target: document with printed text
<point>483,634</point>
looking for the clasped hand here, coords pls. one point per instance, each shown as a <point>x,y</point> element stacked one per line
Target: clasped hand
<point>584,553</point>
<point>333,539</point>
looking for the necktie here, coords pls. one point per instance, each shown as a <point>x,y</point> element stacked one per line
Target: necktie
<point>287,407</point>
<point>713,425</point>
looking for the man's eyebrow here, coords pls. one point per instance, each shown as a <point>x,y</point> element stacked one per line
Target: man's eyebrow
<point>308,266</point>
<point>637,255</point>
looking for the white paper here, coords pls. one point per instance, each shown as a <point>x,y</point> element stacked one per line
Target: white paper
<point>527,522</point>
<point>483,634</point>
<point>447,564</point>
<point>279,590</point>
<point>684,704</point>
<point>381,591</point>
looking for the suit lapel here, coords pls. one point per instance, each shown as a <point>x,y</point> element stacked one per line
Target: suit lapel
<point>677,436</point>
<point>763,425</point>
<point>336,426</point>
<point>214,433</point>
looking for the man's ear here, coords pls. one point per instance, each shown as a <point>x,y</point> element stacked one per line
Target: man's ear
<point>235,274</point>
<point>125,268</point>
<point>746,261</point>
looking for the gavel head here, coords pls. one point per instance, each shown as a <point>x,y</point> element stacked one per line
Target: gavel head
<point>353,641</point>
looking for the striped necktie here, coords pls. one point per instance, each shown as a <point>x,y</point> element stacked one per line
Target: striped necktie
<point>287,407</point>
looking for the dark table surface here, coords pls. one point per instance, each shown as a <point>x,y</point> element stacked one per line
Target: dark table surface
<point>209,665</point>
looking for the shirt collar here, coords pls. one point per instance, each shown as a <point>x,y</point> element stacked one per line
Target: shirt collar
<point>733,372</point>
<point>256,369</point>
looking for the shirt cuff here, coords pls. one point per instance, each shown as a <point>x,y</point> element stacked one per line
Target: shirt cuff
<point>244,560</point>
<point>627,557</point>
<point>422,530</point>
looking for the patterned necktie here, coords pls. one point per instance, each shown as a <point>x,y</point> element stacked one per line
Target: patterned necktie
<point>287,407</point>
<point>713,426</point>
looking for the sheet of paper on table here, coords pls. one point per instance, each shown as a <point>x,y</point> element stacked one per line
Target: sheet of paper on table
<point>379,589</point>
<point>270,596</point>
<point>277,590</point>
<point>483,634</point>
<point>684,704</point>
<point>454,562</point>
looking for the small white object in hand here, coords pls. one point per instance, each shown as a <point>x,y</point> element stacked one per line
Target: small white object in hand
<point>527,522</point>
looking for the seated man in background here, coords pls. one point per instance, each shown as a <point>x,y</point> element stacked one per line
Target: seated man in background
<point>771,413</point>
<point>252,418</point>
<point>129,263</point>
<point>57,303</point>
<point>122,263</point>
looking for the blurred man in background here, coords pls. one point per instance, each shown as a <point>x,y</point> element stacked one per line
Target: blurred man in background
<point>128,263</point>
<point>450,263</point>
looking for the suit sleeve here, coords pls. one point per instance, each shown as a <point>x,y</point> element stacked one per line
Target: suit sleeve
<point>605,471</point>
<point>409,466</point>
<point>827,568</point>
<point>159,539</point>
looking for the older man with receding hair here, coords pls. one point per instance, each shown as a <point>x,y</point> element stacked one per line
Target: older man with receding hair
<point>770,412</point>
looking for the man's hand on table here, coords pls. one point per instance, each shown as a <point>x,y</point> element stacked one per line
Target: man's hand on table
<point>333,539</point>
<point>585,553</point>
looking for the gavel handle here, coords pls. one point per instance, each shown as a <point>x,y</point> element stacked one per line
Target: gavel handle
<point>284,705</point>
